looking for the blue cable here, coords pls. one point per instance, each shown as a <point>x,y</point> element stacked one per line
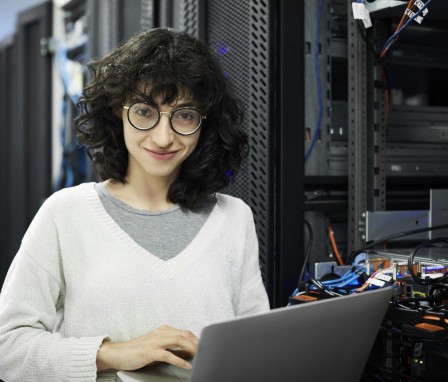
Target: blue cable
<point>318,81</point>
<point>342,283</point>
<point>348,278</point>
<point>65,167</point>
<point>397,33</point>
<point>317,71</point>
<point>347,275</point>
<point>341,280</point>
<point>62,60</point>
<point>348,282</point>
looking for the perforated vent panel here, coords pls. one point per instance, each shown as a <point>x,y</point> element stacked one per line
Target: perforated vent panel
<point>131,18</point>
<point>147,15</point>
<point>114,21</point>
<point>108,31</point>
<point>238,31</point>
<point>189,16</point>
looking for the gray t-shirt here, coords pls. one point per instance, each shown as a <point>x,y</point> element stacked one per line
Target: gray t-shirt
<point>164,233</point>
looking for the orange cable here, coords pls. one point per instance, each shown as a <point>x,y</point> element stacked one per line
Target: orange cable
<point>400,24</point>
<point>334,246</point>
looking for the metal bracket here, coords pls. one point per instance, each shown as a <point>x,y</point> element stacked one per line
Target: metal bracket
<point>47,46</point>
<point>379,5</point>
<point>380,224</point>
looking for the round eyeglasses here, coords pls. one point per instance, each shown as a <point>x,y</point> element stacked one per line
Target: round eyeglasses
<point>184,121</point>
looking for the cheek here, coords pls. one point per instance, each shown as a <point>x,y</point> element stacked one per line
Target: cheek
<point>126,136</point>
<point>131,139</point>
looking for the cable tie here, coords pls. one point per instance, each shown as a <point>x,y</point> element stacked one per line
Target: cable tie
<point>360,12</point>
<point>420,4</point>
<point>383,277</point>
<point>417,19</point>
<point>374,281</point>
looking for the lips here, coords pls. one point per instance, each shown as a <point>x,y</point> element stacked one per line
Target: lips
<point>161,155</point>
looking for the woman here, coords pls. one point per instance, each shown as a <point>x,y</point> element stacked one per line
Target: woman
<point>122,273</point>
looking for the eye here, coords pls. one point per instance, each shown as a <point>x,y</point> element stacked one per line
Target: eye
<point>186,116</point>
<point>143,110</point>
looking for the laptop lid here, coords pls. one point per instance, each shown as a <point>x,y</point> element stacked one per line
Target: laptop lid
<point>326,340</point>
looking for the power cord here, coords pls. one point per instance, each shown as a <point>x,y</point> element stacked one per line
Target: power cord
<point>417,277</point>
<point>307,251</point>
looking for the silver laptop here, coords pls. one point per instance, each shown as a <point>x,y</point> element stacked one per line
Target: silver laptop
<point>326,340</point>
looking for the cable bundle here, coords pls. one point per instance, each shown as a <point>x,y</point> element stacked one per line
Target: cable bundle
<point>408,16</point>
<point>316,289</point>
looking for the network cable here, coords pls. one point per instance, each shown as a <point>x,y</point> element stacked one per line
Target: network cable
<point>399,30</point>
<point>67,174</point>
<point>307,251</point>
<point>346,284</point>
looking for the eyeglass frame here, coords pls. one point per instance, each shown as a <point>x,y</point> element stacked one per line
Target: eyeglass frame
<point>169,117</point>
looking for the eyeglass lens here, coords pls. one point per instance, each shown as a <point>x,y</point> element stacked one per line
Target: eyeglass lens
<point>145,117</point>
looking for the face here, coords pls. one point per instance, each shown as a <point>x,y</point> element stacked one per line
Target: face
<point>157,154</point>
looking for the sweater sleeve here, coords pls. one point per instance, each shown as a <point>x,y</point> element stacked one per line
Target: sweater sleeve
<point>30,300</point>
<point>252,294</point>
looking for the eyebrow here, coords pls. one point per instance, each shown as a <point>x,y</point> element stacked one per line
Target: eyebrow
<point>187,104</point>
<point>179,105</point>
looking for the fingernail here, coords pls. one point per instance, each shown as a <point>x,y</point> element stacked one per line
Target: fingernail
<point>188,365</point>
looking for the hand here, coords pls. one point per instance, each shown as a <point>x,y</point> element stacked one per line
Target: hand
<point>159,345</point>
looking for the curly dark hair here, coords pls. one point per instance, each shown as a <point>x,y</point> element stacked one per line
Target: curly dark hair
<point>168,63</point>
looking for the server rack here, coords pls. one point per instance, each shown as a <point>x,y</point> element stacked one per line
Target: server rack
<point>27,125</point>
<point>374,152</point>
<point>261,53</point>
<point>7,123</point>
<point>382,148</point>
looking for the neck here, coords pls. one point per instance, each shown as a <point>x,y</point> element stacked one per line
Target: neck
<point>141,195</point>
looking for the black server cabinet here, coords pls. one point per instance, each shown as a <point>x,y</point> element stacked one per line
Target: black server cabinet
<point>28,124</point>
<point>261,50</point>
<point>7,125</point>
<point>111,22</point>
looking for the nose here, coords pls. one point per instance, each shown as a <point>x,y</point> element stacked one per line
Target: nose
<point>162,134</point>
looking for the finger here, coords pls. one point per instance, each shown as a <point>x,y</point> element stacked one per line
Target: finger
<point>188,335</point>
<point>165,332</point>
<point>179,342</point>
<point>169,357</point>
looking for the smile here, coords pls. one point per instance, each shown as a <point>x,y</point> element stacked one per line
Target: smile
<point>161,155</point>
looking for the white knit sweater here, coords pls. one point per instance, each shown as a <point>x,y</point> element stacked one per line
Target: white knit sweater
<point>78,278</point>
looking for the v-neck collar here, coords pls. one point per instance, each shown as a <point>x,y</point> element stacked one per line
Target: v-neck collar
<point>165,268</point>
